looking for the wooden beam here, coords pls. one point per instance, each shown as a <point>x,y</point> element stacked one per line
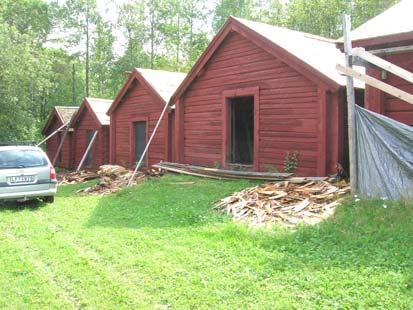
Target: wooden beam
<point>52,134</point>
<point>87,151</point>
<point>392,50</point>
<point>351,102</point>
<point>398,93</point>
<point>59,148</point>
<point>383,64</point>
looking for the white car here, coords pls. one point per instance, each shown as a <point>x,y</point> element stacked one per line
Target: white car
<point>26,173</point>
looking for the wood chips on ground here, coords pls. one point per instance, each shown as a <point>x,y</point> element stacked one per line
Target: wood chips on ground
<point>285,202</point>
<point>112,178</point>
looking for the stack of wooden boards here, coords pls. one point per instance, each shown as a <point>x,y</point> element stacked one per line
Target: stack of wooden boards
<point>287,203</point>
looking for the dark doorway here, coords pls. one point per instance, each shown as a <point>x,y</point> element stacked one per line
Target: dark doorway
<point>89,156</point>
<point>140,141</point>
<point>241,130</point>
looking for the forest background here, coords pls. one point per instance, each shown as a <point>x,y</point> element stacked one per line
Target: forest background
<point>57,52</point>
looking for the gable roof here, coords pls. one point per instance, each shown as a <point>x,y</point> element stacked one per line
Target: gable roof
<point>98,108</point>
<point>63,113</point>
<point>395,20</point>
<point>313,54</point>
<point>161,83</point>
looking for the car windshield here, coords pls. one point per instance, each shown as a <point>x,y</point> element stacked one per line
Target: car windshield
<point>21,159</point>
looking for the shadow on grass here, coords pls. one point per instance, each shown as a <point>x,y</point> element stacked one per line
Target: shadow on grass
<point>170,201</point>
<point>17,206</point>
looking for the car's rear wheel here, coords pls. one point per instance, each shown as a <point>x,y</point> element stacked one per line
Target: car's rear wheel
<point>48,199</point>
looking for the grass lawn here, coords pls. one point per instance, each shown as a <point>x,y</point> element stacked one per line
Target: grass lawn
<point>161,245</point>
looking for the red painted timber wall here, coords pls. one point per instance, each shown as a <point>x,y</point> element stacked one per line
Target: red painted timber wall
<point>295,114</point>
<point>388,105</point>
<point>53,143</point>
<point>100,147</point>
<point>138,104</point>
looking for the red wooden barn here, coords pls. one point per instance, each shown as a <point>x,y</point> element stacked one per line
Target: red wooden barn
<point>389,36</point>
<point>59,116</point>
<point>90,118</point>
<point>259,92</point>
<point>134,114</point>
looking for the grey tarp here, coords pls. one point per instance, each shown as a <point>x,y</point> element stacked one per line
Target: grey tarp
<point>384,156</point>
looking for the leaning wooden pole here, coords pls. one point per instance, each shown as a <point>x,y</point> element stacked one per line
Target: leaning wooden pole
<point>59,148</point>
<point>148,144</point>
<point>87,151</point>
<point>351,101</point>
<point>52,134</point>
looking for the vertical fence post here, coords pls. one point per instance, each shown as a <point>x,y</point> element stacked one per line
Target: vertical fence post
<point>350,106</point>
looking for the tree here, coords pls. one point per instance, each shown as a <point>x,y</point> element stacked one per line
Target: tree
<point>34,17</point>
<point>102,59</point>
<point>323,17</point>
<point>225,8</point>
<point>81,17</point>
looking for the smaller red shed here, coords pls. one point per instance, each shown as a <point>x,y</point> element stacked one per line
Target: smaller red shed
<point>59,116</point>
<point>389,35</point>
<point>92,118</point>
<point>134,114</point>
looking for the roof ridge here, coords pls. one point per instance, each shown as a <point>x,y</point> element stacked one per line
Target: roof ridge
<point>138,68</point>
<point>306,34</point>
<point>66,106</point>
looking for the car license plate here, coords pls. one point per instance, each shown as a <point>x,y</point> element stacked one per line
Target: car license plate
<point>21,179</point>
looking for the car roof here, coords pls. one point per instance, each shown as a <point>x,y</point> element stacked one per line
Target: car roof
<point>20,147</point>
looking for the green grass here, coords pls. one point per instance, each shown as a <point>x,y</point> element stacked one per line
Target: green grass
<point>160,244</point>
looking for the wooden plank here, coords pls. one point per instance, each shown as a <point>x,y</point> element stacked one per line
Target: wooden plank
<point>392,50</point>
<point>177,170</point>
<point>394,91</point>
<point>87,151</point>
<point>226,173</point>
<point>351,101</point>
<point>384,64</point>
<point>52,134</point>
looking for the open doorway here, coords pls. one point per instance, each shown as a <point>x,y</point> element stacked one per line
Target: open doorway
<point>241,131</point>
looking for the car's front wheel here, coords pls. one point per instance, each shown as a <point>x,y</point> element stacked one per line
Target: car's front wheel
<point>48,199</point>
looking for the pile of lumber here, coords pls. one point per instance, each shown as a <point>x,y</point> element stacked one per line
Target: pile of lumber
<point>287,203</point>
<point>220,174</point>
<point>65,178</point>
<point>112,178</point>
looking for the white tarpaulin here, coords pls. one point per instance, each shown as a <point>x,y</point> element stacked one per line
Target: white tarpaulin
<point>384,156</point>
